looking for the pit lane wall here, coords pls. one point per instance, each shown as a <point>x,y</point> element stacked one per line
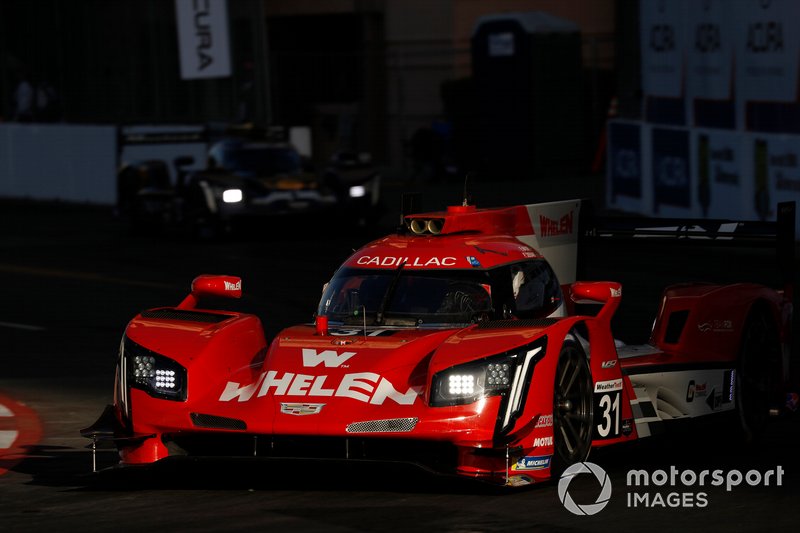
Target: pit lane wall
<point>69,162</point>
<point>720,130</point>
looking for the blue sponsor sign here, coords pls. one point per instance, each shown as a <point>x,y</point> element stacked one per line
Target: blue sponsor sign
<point>671,171</point>
<point>625,160</point>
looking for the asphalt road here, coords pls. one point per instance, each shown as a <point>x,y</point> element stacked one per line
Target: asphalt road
<point>71,278</point>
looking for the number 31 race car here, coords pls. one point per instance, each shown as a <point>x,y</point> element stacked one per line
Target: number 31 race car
<point>453,344</point>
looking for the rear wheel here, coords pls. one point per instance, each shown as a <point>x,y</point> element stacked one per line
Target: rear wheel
<point>759,358</point>
<point>572,408</point>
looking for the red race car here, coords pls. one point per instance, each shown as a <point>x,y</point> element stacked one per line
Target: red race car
<point>455,344</point>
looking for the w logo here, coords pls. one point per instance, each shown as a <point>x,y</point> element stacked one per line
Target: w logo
<point>331,358</point>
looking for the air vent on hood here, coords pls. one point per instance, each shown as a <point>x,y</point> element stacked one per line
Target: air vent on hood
<point>185,315</point>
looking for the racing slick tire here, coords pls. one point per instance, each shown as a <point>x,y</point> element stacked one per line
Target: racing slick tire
<point>573,408</point>
<point>756,374</point>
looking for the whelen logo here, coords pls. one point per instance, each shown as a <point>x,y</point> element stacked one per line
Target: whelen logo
<point>553,228</point>
<point>366,387</point>
<point>233,286</point>
<point>331,358</point>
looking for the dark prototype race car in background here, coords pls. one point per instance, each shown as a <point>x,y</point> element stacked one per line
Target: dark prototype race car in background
<point>457,344</point>
<point>248,175</point>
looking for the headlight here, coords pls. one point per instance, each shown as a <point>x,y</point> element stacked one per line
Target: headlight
<point>508,374</point>
<point>470,382</point>
<point>358,191</point>
<point>155,374</point>
<point>232,196</point>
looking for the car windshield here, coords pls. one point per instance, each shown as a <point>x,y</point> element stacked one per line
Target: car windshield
<point>407,297</point>
<point>262,160</point>
<point>525,289</point>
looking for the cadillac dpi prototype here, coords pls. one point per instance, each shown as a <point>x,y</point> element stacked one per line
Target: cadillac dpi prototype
<point>454,344</point>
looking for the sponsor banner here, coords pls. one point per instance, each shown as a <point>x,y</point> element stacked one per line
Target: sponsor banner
<point>776,172</point>
<point>767,49</point>
<point>663,52</point>
<point>671,173</point>
<point>700,172</point>
<point>203,38</point>
<point>717,164</point>
<point>663,46</point>
<point>625,163</point>
<point>710,63</point>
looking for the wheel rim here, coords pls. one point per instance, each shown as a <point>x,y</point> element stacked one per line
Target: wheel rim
<point>573,408</point>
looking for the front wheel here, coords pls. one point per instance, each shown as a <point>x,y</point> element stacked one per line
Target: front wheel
<point>572,408</point>
<point>755,374</point>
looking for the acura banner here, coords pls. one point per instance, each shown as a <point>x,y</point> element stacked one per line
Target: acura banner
<point>203,38</point>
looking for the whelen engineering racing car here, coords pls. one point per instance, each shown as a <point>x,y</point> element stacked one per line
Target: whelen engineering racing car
<point>454,344</point>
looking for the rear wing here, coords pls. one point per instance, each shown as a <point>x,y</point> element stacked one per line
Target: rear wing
<point>778,235</point>
<point>555,233</point>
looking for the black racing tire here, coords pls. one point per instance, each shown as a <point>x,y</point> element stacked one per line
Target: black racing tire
<point>756,374</point>
<point>573,408</point>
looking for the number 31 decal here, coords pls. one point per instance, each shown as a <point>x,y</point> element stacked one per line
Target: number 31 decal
<point>607,414</point>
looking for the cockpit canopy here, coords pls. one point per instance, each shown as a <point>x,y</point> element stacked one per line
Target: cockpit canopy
<point>441,297</point>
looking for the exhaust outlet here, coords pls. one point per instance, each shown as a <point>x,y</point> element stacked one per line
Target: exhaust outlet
<point>435,226</point>
<point>418,226</point>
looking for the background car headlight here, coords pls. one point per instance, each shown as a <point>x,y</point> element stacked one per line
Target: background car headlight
<point>358,191</point>
<point>155,374</point>
<point>232,196</point>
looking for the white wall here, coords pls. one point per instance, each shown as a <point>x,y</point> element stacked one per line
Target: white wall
<point>58,162</point>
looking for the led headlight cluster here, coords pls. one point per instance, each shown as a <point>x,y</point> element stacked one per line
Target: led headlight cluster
<point>232,196</point>
<point>358,191</point>
<point>508,374</point>
<point>155,374</point>
<point>461,384</point>
<point>497,375</point>
<point>468,383</point>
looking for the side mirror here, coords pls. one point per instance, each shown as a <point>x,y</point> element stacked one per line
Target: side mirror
<point>210,285</point>
<point>608,293</point>
<point>225,286</point>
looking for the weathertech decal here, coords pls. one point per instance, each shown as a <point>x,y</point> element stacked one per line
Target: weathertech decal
<point>607,386</point>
